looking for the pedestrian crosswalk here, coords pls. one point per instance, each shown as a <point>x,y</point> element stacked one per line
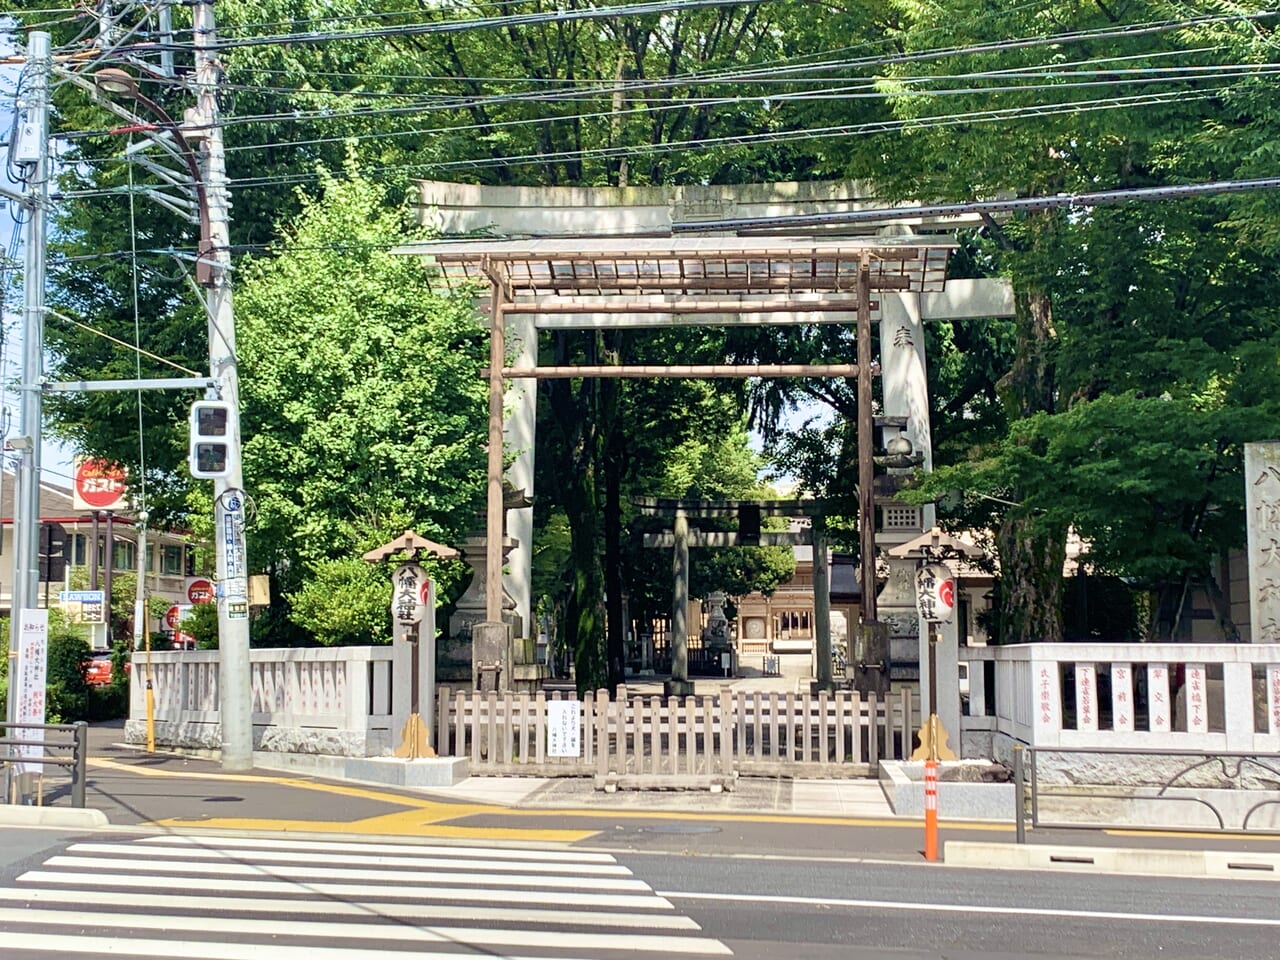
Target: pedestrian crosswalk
<point>245,898</point>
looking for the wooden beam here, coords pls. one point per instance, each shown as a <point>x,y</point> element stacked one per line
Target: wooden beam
<point>722,371</point>
<point>687,306</point>
<point>728,538</point>
<point>729,508</point>
<point>817,283</point>
<point>866,466</point>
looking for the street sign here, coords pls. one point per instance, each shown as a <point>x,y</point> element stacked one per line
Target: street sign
<point>200,590</point>
<point>84,606</point>
<point>99,485</point>
<point>28,683</point>
<point>935,593</point>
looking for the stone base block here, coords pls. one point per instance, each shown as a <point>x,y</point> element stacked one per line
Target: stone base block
<point>678,688</point>
<point>433,772</point>
<point>961,793</point>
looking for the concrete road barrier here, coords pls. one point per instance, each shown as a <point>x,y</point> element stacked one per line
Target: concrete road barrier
<point>76,818</point>
<point>1129,860</point>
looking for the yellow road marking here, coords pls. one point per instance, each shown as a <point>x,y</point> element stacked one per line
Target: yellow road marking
<point>423,818</point>
<point>426,817</point>
<point>1196,834</point>
<point>806,819</point>
<point>297,782</point>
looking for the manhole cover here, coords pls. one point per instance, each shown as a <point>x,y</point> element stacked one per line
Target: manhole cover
<point>679,828</point>
<point>223,799</point>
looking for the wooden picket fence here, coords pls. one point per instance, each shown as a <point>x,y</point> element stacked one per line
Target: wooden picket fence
<point>708,738</point>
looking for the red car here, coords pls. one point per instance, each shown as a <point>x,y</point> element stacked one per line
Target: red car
<point>97,672</point>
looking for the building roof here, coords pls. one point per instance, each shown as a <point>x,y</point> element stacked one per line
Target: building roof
<point>55,503</point>
<point>765,266</point>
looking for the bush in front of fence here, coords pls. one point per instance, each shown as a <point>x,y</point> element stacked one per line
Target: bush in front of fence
<point>66,689</point>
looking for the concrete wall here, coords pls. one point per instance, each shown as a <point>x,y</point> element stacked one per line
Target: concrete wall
<point>340,701</point>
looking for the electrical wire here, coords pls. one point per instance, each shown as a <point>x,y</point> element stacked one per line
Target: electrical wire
<point>864,89</point>
<point>462,25</point>
<point>852,94</point>
<point>805,134</point>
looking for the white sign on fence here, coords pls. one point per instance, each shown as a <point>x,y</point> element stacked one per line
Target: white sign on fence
<point>564,728</point>
<point>33,655</point>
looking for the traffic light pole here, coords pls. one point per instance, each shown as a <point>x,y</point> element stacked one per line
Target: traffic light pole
<point>228,491</point>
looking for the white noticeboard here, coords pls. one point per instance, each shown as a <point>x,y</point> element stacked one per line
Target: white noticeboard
<point>33,655</point>
<point>564,728</point>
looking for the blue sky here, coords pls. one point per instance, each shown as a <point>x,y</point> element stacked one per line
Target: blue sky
<point>56,461</point>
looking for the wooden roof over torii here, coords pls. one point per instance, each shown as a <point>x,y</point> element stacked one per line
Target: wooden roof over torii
<point>724,280</point>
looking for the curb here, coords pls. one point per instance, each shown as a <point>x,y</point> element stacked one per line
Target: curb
<point>13,815</point>
<point>1124,860</point>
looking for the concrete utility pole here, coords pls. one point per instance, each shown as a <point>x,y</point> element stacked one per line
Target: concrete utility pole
<point>30,151</point>
<point>33,155</point>
<point>214,273</point>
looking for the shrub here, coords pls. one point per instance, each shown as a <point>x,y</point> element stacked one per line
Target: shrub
<point>110,702</point>
<point>66,690</point>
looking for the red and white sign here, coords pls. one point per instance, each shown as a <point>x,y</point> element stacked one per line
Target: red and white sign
<point>936,593</point>
<point>200,590</point>
<point>173,616</point>
<point>99,485</point>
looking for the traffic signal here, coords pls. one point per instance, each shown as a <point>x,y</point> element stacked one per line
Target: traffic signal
<point>210,438</point>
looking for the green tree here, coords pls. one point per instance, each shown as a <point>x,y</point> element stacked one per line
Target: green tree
<point>1115,306</point>
<point>363,408</point>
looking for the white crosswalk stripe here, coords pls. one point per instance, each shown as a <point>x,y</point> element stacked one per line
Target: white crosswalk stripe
<point>225,898</point>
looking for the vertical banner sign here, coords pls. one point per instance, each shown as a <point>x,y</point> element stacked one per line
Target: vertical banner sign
<point>1121,698</point>
<point>411,593</point>
<point>1086,696</point>
<point>233,585</point>
<point>1197,714</point>
<point>935,593</point>
<point>1160,709</point>
<point>33,654</point>
<point>564,728</point>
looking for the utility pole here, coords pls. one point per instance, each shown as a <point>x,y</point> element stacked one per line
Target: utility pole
<point>31,152</point>
<point>213,271</point>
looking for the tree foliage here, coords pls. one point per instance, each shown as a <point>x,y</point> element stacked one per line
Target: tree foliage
<point>1142,355</point>
<point>363,408</point>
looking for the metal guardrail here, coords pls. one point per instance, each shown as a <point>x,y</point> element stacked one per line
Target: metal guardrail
<point>77,745</point>
<point>1230,764</point>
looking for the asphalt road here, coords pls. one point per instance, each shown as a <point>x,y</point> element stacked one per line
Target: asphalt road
<point>229,897</point>
<point>807,909</point>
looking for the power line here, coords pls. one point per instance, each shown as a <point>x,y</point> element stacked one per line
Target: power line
<point>806,134</point>
<point>454,102</point>
<point>1094,198</point>
<point>852,93</point>
<point>481,23</point>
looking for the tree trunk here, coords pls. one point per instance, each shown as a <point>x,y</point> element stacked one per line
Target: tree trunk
<point>1031,555</point>
<point>1221,608</point>
<point>1030,582</point>
<point>584,620</point>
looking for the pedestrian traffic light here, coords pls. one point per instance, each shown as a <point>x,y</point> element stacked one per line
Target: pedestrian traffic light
<point>210,438</point>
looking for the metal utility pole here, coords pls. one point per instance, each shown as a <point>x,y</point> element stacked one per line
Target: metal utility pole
<point>30,150</point>
<point>214,273</point>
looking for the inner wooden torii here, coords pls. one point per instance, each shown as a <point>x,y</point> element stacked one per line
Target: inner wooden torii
<point>637,282</point>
